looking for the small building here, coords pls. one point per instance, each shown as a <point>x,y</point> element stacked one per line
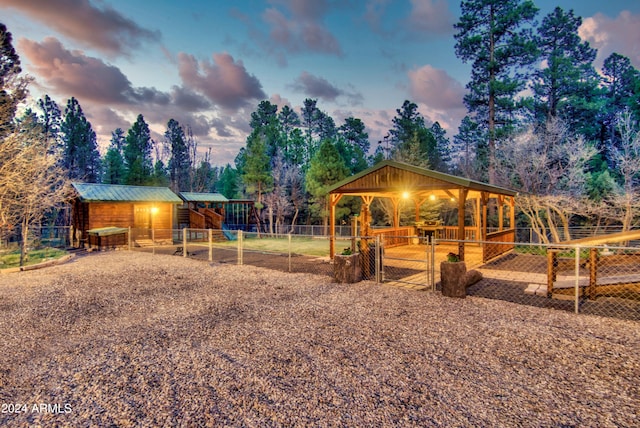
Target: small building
<point>397,181</point>
<point>102,214</point>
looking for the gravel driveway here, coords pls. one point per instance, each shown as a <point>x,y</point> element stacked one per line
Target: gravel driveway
<point>131,339</point>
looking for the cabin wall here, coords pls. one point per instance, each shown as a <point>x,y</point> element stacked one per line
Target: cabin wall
<point>94,215</point>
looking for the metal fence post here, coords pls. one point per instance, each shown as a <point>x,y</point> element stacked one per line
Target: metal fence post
<point>432,243</point>
<point>577,283</point>
<point>210,245</point>
<point>129,240</point>
<point>378,254</point>
<point>289,237</point>
<point>184,242</point>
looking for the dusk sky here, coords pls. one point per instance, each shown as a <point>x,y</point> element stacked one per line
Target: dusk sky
<point>209,63</point>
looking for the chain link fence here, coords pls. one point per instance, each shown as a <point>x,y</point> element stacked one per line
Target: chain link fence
<point>596,280</point>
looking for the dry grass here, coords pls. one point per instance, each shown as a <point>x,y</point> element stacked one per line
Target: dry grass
<point>131,339</point>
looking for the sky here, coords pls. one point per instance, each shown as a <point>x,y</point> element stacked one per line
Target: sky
<point>208,64</point>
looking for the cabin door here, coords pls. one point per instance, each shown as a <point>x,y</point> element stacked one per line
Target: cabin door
<point>142,220</point>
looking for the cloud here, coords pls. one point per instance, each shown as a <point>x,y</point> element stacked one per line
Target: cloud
<point>224,82</point>
<point>318,87</point>
<point>440,95</point>
<point>103,29</point>
<point>110,101</point>
<point>74,73</point>
<point>621,35</point>
<point>435,87</point>
<point>430,17</point>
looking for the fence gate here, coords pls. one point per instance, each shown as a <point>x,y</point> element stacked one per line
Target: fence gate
<point>410,263</point>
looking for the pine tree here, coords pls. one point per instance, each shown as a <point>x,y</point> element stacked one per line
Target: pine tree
<point>180,161</point>
<point>496,37</point>
<point>13,88</point>
<point>326,168</point>
<point>80,148</point>
<point>114,168</point>
<point>137,153</point>
<point>622,92</point>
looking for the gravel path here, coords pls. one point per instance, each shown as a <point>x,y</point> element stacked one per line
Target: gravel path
<point>130,339</point>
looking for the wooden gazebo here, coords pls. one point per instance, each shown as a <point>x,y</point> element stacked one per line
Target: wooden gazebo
<point>397,181</point>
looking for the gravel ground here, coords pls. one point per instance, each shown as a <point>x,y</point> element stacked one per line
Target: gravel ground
<point>130,339</point>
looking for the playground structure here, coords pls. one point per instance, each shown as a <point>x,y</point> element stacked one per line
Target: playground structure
<point>595,279</point>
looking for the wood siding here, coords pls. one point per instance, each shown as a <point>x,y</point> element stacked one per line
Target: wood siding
<point>93,215</point>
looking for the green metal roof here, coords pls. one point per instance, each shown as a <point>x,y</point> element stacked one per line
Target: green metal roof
<point>202,197</point>
<point>447,181</point>
<point>91,192</point>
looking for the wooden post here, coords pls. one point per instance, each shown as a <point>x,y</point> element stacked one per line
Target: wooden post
<point>365,232</point>
<point>184,242</point>
<point>552,268</point>
<point>334,198</point>
<point>210,245</point>
<point>462,197</point>
<point>396,212</point>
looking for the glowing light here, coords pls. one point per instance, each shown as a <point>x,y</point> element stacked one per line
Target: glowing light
<point>405,195</point>
<point>432,197</point>
<point>154,210</point>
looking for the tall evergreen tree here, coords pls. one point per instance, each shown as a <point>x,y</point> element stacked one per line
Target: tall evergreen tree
<point>137,153</point>
<point>569,66</point>
<point>407,121</point>
<point>441,155</point>
<point>256,171</point>
<point>114,168</point>
<point>497,38</point>
<point>51,121</point>
<point>266,126</point>
<point>228,183</point>
<point>326,168</point>
<point>289,122</point>
<point>180,161</point>
<point>353,131</point>
<point>13,89</point>
<point>80,152</point>
<point>622,92</point>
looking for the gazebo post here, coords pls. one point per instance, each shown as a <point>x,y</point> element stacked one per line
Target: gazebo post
<point>396,212</point>
<point>462,197</point>
<point>334,198</point>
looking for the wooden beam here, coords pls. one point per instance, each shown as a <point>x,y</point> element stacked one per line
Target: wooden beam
<point>462,197</point>
<point>334,198</point>
<point>396,212</point>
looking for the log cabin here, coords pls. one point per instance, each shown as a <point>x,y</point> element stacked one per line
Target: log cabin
<point>103,214</point>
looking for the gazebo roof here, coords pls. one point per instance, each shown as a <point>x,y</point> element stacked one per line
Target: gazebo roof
<point>391,178</point>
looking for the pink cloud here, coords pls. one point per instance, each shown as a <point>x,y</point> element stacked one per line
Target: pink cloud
<point>440,96</point>
<point>431,17</point>
<point>103,29</point>
<point>298,35</point>
<point>435,88</point>
<point>609,35</point>
<point>225,82</point>
<point>74,73</point>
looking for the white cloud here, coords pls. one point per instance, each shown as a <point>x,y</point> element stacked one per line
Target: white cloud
<point>609,35</point>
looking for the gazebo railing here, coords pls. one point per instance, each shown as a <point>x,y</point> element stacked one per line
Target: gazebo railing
<point>392,236</point>
<point>451,233</point>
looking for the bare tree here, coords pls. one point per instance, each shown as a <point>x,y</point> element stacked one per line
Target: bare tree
<point>31,179</point>
<point>550,170</point>
<point>626,156</point>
